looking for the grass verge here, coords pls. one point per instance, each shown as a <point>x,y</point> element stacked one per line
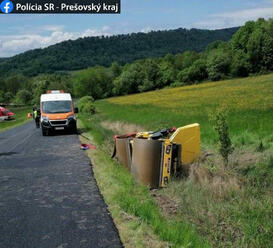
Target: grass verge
<point>123,195</point>
<point>230,207</point>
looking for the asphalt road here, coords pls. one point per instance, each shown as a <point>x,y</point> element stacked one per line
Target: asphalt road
<point>48,194</point>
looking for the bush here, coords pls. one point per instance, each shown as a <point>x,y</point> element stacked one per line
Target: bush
<point>8,97</point>
<point>168,74</point>
<point>129,80</point>
<point>177,84</point>
<point>86,105</point>
<point>96,82</point>
<point>152,78</point>
<point>218,64</point>
<point>184,76</point>
<point>221,127</point>
<point>23,97</point>
<point>240,64</point>
<point>195,73</point>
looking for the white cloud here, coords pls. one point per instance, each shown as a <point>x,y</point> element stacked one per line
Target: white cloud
<point>14,44</point>
<point>24,38</point>
<point>106,31</point>
<point>235,18</point>
<point>146,30</point>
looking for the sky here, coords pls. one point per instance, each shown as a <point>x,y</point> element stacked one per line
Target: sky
<point>19,33</point>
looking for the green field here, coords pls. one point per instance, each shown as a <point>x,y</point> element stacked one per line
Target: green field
<point>249,103</point>
<point>20,118</point>
<point>227,206</point>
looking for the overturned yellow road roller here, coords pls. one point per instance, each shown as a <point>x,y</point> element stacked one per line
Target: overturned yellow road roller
<point>152,157</point>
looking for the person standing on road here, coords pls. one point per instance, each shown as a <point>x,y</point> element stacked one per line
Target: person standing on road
<point>36,116</point>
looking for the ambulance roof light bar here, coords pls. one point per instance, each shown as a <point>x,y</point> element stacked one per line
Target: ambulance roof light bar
<point>54,91</point>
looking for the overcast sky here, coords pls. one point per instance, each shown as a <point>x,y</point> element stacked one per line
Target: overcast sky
<point>19,33</point>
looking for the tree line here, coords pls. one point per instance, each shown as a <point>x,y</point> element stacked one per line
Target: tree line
<point>250,51</point>
<point>25,90</point>
<point>91,51</point>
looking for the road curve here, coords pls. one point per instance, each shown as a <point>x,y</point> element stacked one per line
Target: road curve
<point>48,194</point>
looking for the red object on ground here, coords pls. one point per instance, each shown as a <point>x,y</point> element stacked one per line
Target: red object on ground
<point>87,147</point>
<point>173,129</point>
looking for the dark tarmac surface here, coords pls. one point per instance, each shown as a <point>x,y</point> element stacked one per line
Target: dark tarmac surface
<point>48,195</point>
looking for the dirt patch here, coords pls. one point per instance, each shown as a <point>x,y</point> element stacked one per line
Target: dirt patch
<point>121,127</point>
<point>168,206</point>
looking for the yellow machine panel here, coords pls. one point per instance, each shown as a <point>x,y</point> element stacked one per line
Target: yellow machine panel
<point>189,138</point>
<point>165,172</point>
<point>144,135</point>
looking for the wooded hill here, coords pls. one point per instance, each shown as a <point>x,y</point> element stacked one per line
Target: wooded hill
<point>85,52</point>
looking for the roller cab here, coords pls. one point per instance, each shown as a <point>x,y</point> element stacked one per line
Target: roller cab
<point>153,159</point>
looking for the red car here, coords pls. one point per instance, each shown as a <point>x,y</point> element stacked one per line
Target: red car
<point>5,114</point>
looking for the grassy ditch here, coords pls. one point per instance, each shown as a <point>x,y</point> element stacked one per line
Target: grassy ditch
<point>123,195</point>
<point>20,118</point>
<point>229,206</point>
<point>233,208</point>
